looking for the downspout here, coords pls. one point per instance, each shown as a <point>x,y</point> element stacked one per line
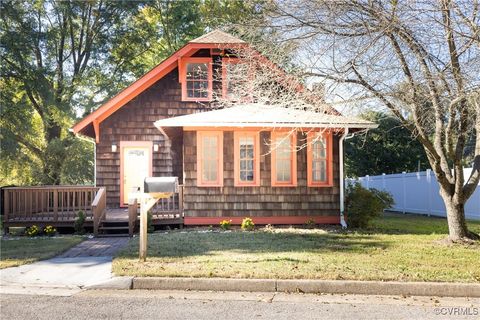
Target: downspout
<point>345,136</point>
<point>91,140</point>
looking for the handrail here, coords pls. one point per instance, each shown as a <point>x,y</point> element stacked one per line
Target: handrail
<point>99,209</point>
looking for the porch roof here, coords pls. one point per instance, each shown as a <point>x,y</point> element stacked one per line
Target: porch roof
<point>265,116</point>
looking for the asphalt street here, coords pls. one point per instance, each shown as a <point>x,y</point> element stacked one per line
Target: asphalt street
<point>144,304</point>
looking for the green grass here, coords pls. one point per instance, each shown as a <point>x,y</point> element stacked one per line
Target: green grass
<point>397,247</point>
<point>18,251</point>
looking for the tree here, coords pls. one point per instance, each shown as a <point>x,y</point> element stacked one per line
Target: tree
<point>388,149</point>
<point>62,59</point>
<point>51,52</point>
<point>419,59</point>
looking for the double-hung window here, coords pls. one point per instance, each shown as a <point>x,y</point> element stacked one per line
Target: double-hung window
<point>247,158</point>
<point>319,159</point>
<point>210,158</point>
<point>196,79</point>
<point>284,159</point>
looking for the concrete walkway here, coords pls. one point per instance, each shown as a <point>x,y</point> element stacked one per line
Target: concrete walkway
<point>87,264</point>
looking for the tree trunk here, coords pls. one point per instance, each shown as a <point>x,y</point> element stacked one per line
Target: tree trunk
<point>457,226</point>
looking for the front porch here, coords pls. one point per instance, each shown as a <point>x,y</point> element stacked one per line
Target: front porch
<point>59,206</point>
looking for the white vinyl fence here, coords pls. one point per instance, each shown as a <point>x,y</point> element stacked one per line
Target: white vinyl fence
<point>418,192</point>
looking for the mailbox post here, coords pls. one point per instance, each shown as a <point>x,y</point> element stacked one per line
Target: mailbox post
<point>155,188</point>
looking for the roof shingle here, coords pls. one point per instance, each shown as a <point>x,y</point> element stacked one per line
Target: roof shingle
<point>217,36</point>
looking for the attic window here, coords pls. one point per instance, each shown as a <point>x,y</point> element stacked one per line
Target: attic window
<point>196,79</point>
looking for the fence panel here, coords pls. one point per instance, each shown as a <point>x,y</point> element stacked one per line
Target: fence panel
<point>418,192</point>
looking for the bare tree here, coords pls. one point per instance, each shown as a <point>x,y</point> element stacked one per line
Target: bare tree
<point>419,59</point>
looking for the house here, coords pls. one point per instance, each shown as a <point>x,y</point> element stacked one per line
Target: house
<point>245,160</point>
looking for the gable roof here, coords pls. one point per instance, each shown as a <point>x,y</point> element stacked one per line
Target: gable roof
<point>265,116</point>
<point>214,39</point>
<point>217,36</point>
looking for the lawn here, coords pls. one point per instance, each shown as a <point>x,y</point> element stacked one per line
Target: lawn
<point>18,251</point>
<point>397,247</point>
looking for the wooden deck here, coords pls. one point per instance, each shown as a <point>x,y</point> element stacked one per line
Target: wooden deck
<point>58,206</point>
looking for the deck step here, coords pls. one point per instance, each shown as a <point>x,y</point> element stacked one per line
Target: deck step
<point>112,235</point>
<point>113,228</point>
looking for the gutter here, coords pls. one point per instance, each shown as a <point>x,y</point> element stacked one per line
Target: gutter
<point>91,140</point>
<point>344,137</point>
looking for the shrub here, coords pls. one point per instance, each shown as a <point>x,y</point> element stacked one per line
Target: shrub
<point>247,224</point>
<point>363,205</point>
<point>80,222</point>
<point>32,231</point>
<point>310,224</point>
<point>226,224</point>
<point>50,231</point>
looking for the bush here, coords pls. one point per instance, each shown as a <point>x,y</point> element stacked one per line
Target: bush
<point>363,205</point>
<point>80,222</point>
<point>310,224</point>
<point>50,231</point>
<point>247,224</point>
<point>32,231</point>
<point>226,224</point>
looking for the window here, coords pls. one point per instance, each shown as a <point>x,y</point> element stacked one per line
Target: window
<point>210,158</point>
<point>247,158</point>
<point>284,159</point>
<point>196,79</point>
<point>319,159</point>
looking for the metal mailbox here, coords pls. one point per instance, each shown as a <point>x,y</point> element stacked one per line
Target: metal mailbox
<point>167,185</point>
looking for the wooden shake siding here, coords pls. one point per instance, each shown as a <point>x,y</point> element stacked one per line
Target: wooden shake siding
<point>257,201</point>
<point>134,122</point>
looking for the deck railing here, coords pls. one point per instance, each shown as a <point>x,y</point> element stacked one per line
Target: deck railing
<point>167,208</point>
<point>171,207</point>
<point>49,204</point>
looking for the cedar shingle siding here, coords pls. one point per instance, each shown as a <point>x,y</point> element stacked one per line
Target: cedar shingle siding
<point>134,122</point>
<point>256,201</point>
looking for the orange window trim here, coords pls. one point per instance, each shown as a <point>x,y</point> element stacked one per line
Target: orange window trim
<point>329,157</point>
<point>293,158</point>
<point>256,161</point>
<point>183,77</point>
<point>200,136</point>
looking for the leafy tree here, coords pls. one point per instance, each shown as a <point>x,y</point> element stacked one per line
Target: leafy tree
<point>62,59</point>
<point>388,149</point>
<point>51,51</point>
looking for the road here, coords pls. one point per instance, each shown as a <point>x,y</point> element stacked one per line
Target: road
<point>140,305</point>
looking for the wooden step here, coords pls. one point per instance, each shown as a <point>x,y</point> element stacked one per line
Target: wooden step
<point>112,235</point>
<point>113,228</point>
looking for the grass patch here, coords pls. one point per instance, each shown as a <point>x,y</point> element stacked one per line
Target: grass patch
<point>397,247</point>
<point>19,251</point>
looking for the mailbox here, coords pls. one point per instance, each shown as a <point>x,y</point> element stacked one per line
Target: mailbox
<point>160,185</point>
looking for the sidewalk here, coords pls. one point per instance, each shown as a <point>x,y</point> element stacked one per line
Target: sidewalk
<point>87,264</point>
